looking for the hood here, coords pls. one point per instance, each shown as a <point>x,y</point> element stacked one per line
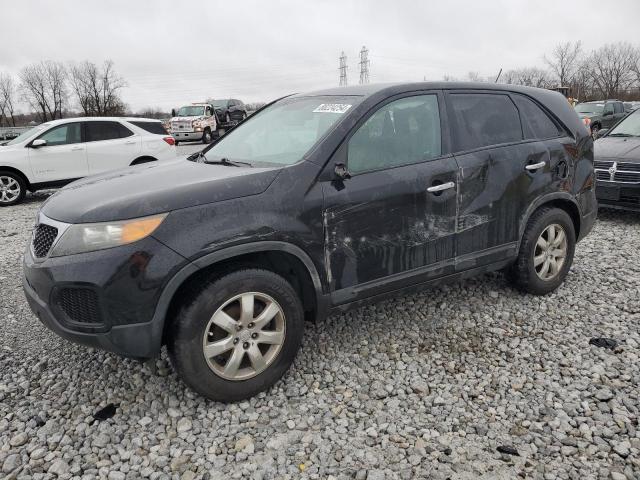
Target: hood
<point>622,148</point>
<point>10,148</point>
<point>154,188</point>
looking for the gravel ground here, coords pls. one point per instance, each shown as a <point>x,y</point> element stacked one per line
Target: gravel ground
<point>423,386</point>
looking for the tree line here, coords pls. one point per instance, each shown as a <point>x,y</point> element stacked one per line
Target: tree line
<point>611,71</point>
<point>49,88</point>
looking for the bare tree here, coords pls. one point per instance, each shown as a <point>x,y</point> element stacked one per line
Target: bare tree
<point>7,99</point>
<point>564,61</point>
<point>44,88</point>
<point>97,90</point>
<point>530,77</point>
<point>611,68</point>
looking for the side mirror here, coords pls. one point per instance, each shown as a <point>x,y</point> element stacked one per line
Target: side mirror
<point>607,114</point>
<point>602,132</point>
<point>173,112</point>
<point>38,143</point>
<point>341,171</point>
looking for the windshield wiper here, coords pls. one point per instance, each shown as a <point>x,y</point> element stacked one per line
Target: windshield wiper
<point>227,162</point>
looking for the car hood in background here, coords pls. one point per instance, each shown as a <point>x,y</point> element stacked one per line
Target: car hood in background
<point>154,188</point>
<point>623,148</point>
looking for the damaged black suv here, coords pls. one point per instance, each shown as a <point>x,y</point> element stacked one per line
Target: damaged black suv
<point>317,203</point>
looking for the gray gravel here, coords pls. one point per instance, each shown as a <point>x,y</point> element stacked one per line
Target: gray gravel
<point>423,386</point>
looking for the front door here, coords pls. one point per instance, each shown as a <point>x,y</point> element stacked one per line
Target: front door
<point>62,158</point>
<point>393,222</point>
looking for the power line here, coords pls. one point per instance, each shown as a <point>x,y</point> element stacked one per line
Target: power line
<point>343,69</point>
<point>364,65</point>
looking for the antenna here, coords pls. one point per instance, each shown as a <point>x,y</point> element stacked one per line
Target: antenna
<point>364,65</point>
<point>343,69</point>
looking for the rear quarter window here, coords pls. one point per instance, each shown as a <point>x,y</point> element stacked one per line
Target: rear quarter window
<point>151,127</point>
<point>484,119</point>
<point>535,122</point>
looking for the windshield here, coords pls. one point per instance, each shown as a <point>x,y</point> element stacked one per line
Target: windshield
<point>630,126</point>
<point>597,108</point>
<point>219,103</point>
<point>191,111</point>
<point>284,132</point>
<point>24,135</point>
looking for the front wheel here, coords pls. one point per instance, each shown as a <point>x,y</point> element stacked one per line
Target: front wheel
<point>12,189</point>
<point>237,335</point>
<point>206,136</point>
<point>546,252</point>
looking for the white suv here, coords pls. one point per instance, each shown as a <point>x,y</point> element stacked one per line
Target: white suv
<point>58,152</point>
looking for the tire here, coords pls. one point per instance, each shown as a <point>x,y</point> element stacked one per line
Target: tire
<point>227,118</point>
<point>594,130</point>
<point>206,136</point>
<point>530,277</point>
<point>13,188</point>
<point>176,143</point>
<point>194,328</point>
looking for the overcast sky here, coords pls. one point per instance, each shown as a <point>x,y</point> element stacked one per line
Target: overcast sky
<point>176,52</point>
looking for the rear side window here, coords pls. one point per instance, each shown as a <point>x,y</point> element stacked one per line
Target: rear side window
<point>484,119</point>
<point>151,127</point>
<point>535,122</point>
<point>400,133</point>
<point>608,108</point>
<point>618,107</point>
<point>98,131</point>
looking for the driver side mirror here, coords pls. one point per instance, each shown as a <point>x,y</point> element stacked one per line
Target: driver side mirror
<point>38,143</point>
<point>173,112</point>
<point>601,133</point>
<point>341,171</point>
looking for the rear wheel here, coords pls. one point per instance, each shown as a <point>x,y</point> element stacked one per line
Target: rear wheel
<point>546,251</point>
<point>12,189</point>
<point>206,136</point>
<point>594,130</point>
<point>237,335</point>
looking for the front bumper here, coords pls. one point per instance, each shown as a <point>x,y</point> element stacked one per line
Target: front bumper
<point>621,196</point>
<point>125,285</point>
<point>187,136</point>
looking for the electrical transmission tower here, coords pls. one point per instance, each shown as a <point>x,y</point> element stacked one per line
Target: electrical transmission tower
<point>364,65</point>
<point>343,70</point>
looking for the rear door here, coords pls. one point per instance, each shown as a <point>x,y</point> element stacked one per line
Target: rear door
<point>63,157</point>
<point>618,112</point>
<point>110,145</point>
<point>393,222</point>
<point>608,115</point>
<point>510,152</point>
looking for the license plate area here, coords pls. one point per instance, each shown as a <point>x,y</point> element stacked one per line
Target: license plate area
<point>608,193</point>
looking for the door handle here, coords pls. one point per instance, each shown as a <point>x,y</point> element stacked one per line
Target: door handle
<point>535,166</point>
<point>441,187</point>
<point>130,143</point>
<point>77,148</point>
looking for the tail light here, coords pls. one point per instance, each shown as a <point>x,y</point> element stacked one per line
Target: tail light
<point>169,140</point>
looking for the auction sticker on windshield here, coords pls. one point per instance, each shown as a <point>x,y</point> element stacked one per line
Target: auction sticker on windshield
<point>332,108</point>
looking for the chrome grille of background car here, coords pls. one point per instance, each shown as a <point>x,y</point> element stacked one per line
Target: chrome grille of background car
<point>181,125</point>
<point>43,238</point>
<point>626,172</point>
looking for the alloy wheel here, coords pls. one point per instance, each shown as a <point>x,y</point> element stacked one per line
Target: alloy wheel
<point>244,336</point>
<point>550,252</point>
<point>9,189</point>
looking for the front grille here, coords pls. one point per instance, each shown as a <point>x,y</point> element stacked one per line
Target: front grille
<point>181,126</point>
<point>629,177</point>
<point>602,164</point>
<point>629,167</point>
<point>80,305</point>
<point>602,175</point>
<point>43,238</point>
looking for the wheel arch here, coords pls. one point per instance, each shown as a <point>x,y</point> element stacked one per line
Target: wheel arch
<point>560,200</point>
<point>143,159</point>
<point>17,172</point>
<point>282,258</point>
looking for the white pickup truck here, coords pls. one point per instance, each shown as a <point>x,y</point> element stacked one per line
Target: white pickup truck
<point>194,122</point>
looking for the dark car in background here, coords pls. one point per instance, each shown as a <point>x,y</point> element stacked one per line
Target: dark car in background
<point>603,114</point>
<point>317,203</point>
<point>617,165</point>
<point>229,110</point>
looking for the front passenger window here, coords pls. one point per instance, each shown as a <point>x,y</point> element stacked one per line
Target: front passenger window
<point>62,135</point>
<point>400,133</point>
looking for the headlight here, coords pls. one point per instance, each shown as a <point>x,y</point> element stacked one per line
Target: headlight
<point>88,237</point>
